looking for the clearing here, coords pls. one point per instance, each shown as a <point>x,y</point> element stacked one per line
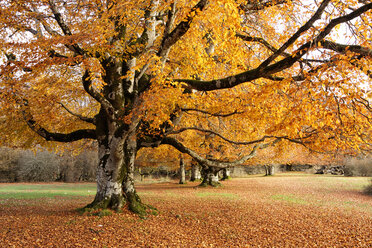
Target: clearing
<point>287,210</point>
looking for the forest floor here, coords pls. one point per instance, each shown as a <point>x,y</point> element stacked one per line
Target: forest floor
<point>287,210</point>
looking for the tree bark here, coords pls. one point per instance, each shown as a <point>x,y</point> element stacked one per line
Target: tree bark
<point>115,172</point>
<point>270,170</point>
<point>225,174</point>
<point>210,177</point>
<point>195,172</point>
<point>182,172</point>
<point>109,175</point>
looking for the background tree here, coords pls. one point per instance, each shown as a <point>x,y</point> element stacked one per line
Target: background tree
<point>124,73</point>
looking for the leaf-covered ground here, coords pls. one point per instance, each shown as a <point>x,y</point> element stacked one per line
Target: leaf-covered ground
<point>281,211</point>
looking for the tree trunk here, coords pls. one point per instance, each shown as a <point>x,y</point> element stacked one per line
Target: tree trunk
<point>195,172</point>
<point>182,172</point>
<point>109,175</point>
<point>129,192</point>
<point>270,170</point>
<point>115,173</point>
<point>225,174</point>
<point>210,177</point>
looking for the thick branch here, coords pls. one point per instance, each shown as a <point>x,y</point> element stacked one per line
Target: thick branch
<point>259,5</point>
<point>285,63</point>
<point>295,36</point>
<point>181,29</point>
<point>342,48</point>
<point>64,27</point>
<point>58,17</point>
<point>211,114</point>
<point>87,83</point>
<point>60,137</point>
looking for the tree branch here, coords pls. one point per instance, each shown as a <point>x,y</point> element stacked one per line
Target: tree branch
<point>87,83</point>
<point>64,27</point>
<point>260,40</point>
<point>285,63</point>
<point>215,163</point>
<point>294,140</point>
<point>181,29</point>
<point>60,137</point>
<point>259,4</point>
<point>83,118</point>
<point>211,114</point>
<point>342,48</point>
<point>361,68</point>
<point>296,35</point>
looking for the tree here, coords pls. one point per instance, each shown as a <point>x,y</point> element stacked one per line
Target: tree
<point>135,74</point>
<point>195,171</point>
<point>182,172</point>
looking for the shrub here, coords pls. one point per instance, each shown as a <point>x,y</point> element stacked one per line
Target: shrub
<point>45,166</point>
<point>42,166</point>
<point>78,168</point>
<point>359,167</point>
<point>368,189</point>
<point>8,164</point>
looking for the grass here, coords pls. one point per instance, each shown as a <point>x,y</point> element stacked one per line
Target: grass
<point>289,198</point>
<point>36,191</point>
<point>217,195</point>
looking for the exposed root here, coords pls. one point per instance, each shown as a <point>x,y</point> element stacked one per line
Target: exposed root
<point>212,184</point>
<point>136,206</point>
<point>115,202</point>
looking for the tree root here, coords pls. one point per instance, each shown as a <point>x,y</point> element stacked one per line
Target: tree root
<point>116,203</point>
<point>212,184</point>
<point>136,206</point>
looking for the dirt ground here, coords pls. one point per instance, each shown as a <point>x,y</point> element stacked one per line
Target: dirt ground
<point>279,211</point>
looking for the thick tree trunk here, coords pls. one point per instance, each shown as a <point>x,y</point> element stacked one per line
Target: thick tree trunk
<point>210,177</point>
<point>182,172</point>
<point>225,174</point>
<point>270,170</point>
<point>109,175</point>
<point>115,173</point>
<point>195,172</point>
<point>129,192</point>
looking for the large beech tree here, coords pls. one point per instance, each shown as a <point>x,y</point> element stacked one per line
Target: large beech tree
<point>135,74</point>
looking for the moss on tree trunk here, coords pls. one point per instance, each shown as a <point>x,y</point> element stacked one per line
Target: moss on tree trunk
<point>210,177</point>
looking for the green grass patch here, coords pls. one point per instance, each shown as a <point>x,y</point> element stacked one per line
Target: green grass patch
<point>217,195</point>
<point>35,191</point>
<point>290,199</point>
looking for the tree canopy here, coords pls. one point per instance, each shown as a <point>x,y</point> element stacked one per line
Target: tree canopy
<point>232,75</point>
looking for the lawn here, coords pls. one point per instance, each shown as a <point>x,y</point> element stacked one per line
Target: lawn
<point>288,210</point>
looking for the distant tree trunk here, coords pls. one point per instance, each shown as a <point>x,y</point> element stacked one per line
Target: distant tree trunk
<point>270,170</point>
<point>210,177</point>
<point>182,172</point>
<point>225,174</point>
<point>195,172</point>
<point>141,174</point>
